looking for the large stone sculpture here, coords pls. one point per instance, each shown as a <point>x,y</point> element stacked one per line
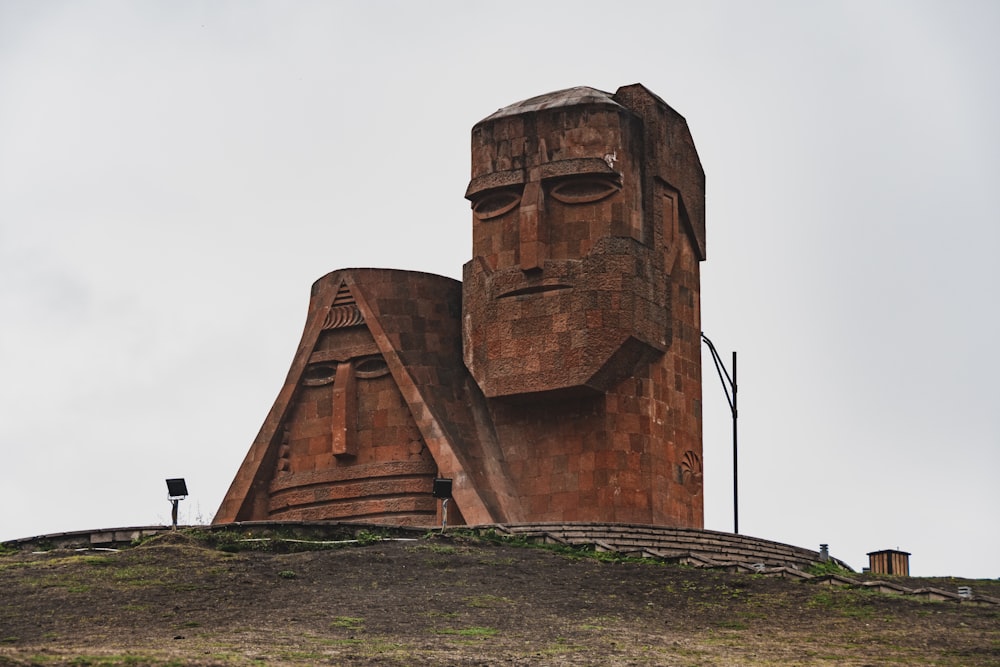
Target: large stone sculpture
<point>581,314</point>
<point>580,394</point>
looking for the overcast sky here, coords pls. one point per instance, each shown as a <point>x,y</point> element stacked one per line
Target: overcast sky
<point>175,175</point>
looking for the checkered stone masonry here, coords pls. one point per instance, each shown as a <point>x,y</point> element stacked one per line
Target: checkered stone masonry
<point>581,314</point>
<point>561,381</point>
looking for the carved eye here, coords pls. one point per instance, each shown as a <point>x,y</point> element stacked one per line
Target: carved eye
<point>319,374</point>
<point>495,204</point>
<point>584,190</point>
<point>372,367</point>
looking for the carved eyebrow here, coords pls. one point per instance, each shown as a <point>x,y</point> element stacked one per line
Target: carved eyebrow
<point>497,179</point>
<point>344,353</point>
<point>575,166</point>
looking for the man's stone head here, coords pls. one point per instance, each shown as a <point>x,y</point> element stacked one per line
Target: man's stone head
<point>574,211</point>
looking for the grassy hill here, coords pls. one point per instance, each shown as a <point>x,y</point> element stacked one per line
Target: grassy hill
<point>192,598</point>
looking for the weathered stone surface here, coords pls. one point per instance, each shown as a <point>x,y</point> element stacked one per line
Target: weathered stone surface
<point>581,317</point>
<point>560,381</point>
<point>374,407</point>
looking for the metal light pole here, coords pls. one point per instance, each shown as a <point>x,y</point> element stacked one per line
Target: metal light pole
<point>729,386</point>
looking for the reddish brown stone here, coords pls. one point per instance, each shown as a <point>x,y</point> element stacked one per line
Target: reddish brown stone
<point>385,437</point>
<point>578,322</point>
<point>581,297</point>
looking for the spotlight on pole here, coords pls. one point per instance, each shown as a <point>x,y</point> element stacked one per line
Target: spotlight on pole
<point>176,491</point>
<point>442,490</point>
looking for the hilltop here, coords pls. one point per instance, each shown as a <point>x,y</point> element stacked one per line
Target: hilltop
<point>194,598</point>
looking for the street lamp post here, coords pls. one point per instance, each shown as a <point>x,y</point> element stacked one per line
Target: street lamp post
<point>729,386</point>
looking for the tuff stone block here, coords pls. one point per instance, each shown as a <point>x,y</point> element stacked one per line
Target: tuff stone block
<point>560,381</point>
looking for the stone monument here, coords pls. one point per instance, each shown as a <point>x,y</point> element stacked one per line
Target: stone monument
<point>560,381</point>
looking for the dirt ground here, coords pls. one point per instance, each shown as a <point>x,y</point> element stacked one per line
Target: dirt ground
<point>185,600</point>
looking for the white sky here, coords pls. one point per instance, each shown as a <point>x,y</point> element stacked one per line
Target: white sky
<point>174,175</point>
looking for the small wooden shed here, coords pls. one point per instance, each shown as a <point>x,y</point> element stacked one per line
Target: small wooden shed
<point>889,561</point>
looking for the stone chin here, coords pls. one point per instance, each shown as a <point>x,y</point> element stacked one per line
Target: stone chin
<point>578,327</point>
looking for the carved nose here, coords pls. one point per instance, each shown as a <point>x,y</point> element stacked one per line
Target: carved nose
<point>345,399</point>
<point>532,234</point>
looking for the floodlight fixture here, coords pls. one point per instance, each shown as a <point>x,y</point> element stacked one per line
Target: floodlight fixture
<point>176,490</point>
<point>442,490</point>
<point>442,487</point>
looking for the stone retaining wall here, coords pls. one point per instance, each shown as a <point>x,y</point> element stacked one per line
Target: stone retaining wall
<point>674,543</point>
<point>697,546</point>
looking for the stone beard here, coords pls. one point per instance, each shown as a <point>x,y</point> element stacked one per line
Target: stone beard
<point>580,305</point>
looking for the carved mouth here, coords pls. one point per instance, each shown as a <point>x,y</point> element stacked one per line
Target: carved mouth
<point>535,289</point>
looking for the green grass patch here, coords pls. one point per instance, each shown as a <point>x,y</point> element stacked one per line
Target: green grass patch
<point>475,631</point>
<point>348,622</point>
<point>15,564</point>
<point>122,661</point>
<point>446,549</point>
<point>139,576</point>
<point>312,656</point>
<point>561,647</point>
<point>844,602</point>
<point>370,647</point>
<point>829,567</point>
<point>97,561</point>
<point>368,537</point>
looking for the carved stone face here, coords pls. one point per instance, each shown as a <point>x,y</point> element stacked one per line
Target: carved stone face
<point>371,411</point>
<point>564,293</point>
<point>336,405</point>
<point>349,426</point>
